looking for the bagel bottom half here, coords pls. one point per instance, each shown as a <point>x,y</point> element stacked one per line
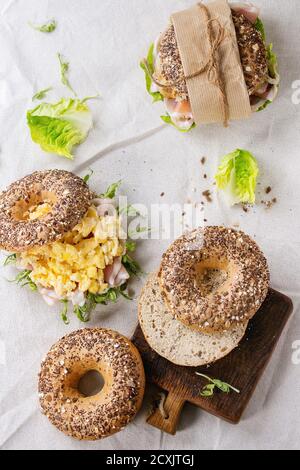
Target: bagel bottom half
<point>175,341</point>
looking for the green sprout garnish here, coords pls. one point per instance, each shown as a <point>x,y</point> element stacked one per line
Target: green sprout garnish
<point>209,389</point>
<point>10,259</point>
<point>64,69</point>
<point>40,95</point>
<point>47,27</point>
<point>87,177</point>
<point>23,279</point>
<point>111,191</point>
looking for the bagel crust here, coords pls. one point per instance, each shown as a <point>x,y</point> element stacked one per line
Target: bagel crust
<point>101,415</point>
<point>70,198</point>
<point>240,291</point>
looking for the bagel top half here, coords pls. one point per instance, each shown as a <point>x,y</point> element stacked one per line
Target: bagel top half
<point>214,278</point>
<point>66,196</point>
<point>253,54</point>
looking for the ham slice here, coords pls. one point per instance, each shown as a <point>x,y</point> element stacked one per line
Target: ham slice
<point>263,91</point>
<point>250,11</point>
<point>180,114</point>
<point>270,96</point>
<point>122,276</point>
<point>115,274</point>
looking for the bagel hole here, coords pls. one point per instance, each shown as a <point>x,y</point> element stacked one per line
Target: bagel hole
<point>91,383</point>
<point>35,206</point>
<point>210,279</point>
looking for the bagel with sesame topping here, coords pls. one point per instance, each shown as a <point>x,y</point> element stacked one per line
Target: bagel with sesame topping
<point>66,241</point>
<point>214,279</point>
<point>64,198</point>
<point>177,342</point>
<point>119,363</point>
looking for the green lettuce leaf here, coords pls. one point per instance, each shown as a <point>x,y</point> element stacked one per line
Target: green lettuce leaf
<point>273,70</point>
<point>272,61</point>
<point>58,127</point>
<point>260,27</point>
<point>274,79</point>
<point>264,106</point>
<point>237,175</point>
<point>156,95</point>
<point>168,120</point>
<point>271,56</point>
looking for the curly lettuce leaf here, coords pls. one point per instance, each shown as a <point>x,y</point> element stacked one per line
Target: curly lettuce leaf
<point>168,120</point>
<point>274,80</point>
<point>264,106</point>
<point>272,61</point>
<point>273,71</point>
<point>58,127</point>
<point>261,28</point>
<point>237,175</point>
<point>156,95</point>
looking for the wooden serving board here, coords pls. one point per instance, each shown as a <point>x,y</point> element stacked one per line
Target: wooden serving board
<point>242,368</point>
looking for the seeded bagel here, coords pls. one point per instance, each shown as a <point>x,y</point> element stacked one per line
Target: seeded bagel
<point>101,415</point>
<point>67,195</point>
<point>214,278</point>
<point>169,68</point>
<point>176,342</point>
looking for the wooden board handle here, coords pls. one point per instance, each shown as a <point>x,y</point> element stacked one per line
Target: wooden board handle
<point>173,406</point>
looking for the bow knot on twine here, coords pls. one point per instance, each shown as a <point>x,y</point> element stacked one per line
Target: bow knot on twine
<point>215,37</point>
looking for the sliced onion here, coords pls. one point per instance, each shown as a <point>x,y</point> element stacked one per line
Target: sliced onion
<point>77,298</point>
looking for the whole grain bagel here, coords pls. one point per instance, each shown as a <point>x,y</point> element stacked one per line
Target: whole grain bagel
<point>175,341</point>
<point>101,415</point>
<point>67,196</point>
<point>214,278</point>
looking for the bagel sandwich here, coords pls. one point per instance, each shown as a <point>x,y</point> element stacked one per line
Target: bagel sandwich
<point>259,64</point>
<point>66,241</point>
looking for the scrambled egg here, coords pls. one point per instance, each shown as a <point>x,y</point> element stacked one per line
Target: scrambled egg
<point>78,260</point>
<point>39,211</point>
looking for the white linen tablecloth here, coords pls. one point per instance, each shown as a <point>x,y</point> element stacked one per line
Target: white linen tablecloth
<point>104,40</point>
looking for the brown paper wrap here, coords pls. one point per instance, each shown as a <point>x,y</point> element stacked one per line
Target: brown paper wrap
<point>211,61</point>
